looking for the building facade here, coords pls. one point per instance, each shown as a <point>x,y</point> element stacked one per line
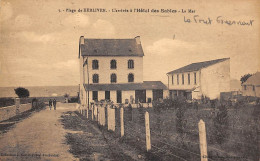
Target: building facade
<point>112,69</point>
<point>193,81</point>
<point>251,87</point>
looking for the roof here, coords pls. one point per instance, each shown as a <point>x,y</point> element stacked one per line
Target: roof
<point>197,66</point>
<point>112,47</point>
<point>148,85</point>
<point>253,80</point>
<point>185,89</point>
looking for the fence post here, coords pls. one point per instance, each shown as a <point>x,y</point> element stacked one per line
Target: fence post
<point>17,105</point>
<point>87,112</point>
<point>92,112</point>
<point>111,119</point>
<point>122,121</point>
<point>102,116</point>
<point>203,141</point>
<point>108,117</point>
<point>147,132</point>
<point>98,114</point>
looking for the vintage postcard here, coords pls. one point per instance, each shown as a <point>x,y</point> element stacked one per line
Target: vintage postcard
<point>138,80</point>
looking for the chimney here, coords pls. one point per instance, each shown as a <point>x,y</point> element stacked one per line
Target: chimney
<point>81,40</point>
<point>137,39</point>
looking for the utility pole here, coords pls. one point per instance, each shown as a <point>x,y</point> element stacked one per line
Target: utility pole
<point>86,63</point>
<point>88,82</point>
<point>83,75</point>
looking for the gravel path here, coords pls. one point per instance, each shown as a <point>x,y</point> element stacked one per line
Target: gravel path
<point>39,137</point>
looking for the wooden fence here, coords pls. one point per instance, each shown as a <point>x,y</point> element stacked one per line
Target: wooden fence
<point>120,120</point>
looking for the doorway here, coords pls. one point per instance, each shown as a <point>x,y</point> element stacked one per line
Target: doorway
<point>119,96</point>
<point>140,96</point>
<point>95,95</point>
<point>107,95</point>
<point>157,94</point>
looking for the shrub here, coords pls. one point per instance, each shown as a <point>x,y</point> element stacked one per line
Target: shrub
<point>74,100</point>
<point>180,119</point>
<point>22,92</point>
<point>220,123</point>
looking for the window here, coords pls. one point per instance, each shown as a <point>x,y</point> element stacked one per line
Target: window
<point>113,64</point>
<point>95,95</point>
<point>253,88</point>
<point>178,79</point>
<point>188,78</point>
<point>172,79</point>
<point>130,77</point>
<point>182,76</point>
<point>113,78</point>
<point>130,64</point>
<point>94,64</point>
<point>195,78</point>
<point>244,87</point>
<point>95,78</point>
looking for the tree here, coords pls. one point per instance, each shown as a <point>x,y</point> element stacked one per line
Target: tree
<point>22,92</point>
<point>245,77</point>
<point>66,95</point>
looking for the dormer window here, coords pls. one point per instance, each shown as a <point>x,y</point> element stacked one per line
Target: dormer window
<point>113,64</point>
<point>95,64</point>
<point>130,64</point>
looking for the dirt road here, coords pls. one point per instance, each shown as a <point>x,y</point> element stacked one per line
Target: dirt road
<point>39,137</point>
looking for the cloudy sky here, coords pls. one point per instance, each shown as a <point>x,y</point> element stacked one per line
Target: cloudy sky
<point>39,44</point>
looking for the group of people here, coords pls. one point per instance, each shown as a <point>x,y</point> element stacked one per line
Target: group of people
<point>52,103</point>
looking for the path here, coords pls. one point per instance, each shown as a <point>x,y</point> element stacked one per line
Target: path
<point>39,137</point>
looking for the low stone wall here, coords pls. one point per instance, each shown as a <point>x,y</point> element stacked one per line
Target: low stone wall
<point>11,111</point>
<point>25,107</point>
<point>7,112</point>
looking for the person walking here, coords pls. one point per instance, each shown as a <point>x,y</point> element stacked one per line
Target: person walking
<point>50,103</point>
<point>54,104</point>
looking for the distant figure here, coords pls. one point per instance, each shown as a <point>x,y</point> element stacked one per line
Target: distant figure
<point>50,103</point>
<point>54,104</point>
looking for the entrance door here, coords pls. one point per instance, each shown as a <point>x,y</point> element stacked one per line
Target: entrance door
<point>107,95</point>
<point>119,96</point>
<point>188,96</point>
<point>95,95</point>
<point>140,96</point>
<point>157,94</point>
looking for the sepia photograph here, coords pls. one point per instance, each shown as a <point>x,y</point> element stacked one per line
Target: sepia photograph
<point>139,80</point>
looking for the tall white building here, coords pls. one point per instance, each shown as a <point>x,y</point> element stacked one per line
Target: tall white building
<point>112,69</point>
<point>208,78</point>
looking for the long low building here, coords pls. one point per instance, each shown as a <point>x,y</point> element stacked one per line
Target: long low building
<point>195,80</point>
<point>112,69</point>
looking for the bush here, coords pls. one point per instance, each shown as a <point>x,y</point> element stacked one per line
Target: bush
<point>73,100</point>
<point>180,119</point>
<point>22,92</point>
<point>220,123</point>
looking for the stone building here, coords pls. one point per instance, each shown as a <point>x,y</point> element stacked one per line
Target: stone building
<point>112,69</point>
